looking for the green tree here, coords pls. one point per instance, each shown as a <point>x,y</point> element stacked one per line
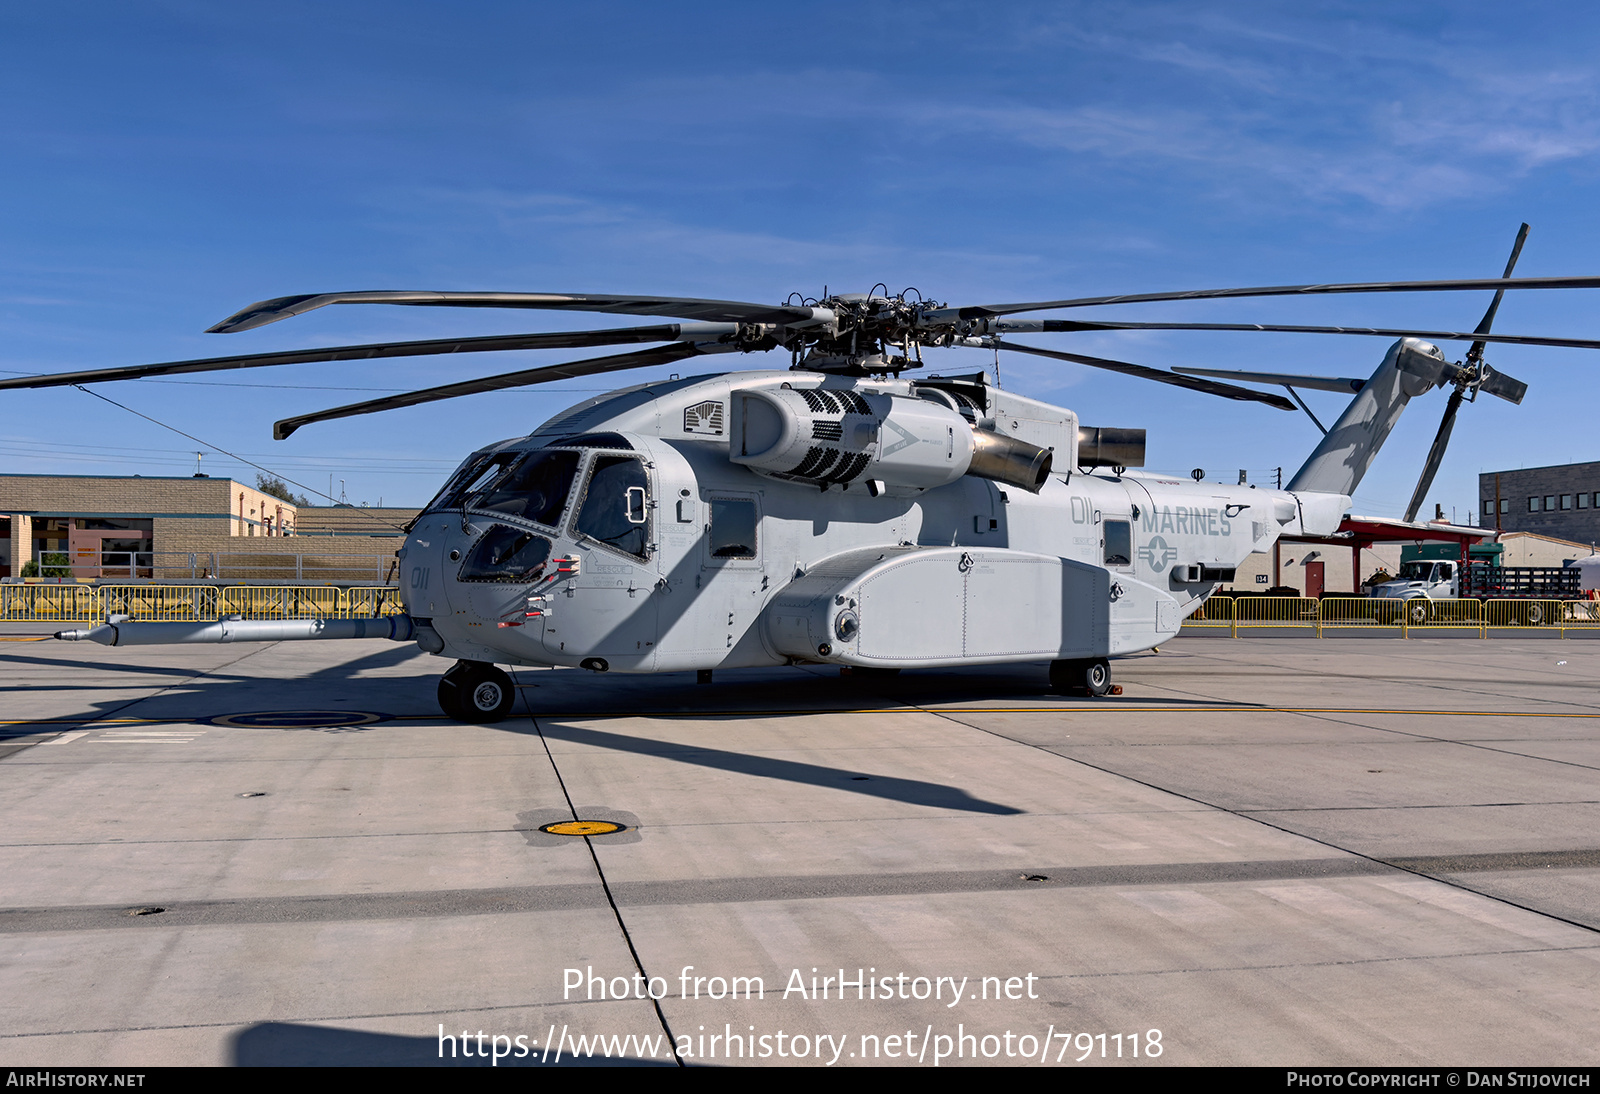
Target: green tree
<point>276,487</point>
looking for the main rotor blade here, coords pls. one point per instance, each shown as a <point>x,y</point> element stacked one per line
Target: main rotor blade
<point>665,332</point>
<point>1475,354</point>
<point>1051,326</point>
<point>661,355</point>
<point>1344,385</point>
<point>718,311</point>
<point>1435,455</point>
<point>1272,290</point>
<point>1210,387</point>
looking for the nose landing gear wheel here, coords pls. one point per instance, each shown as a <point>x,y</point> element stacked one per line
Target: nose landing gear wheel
<point>1092,677</point>
<point>476,692</point>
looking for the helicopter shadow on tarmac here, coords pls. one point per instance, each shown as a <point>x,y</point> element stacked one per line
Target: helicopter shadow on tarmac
<point>197,694</point>
<point>754,696</point>
<point>292,1044</point>
<point>906,791</point>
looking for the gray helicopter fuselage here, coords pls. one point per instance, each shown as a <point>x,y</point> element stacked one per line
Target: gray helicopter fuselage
<point>646,536</point>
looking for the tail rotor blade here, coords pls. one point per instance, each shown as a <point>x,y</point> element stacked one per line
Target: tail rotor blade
<point>1435,455</point>
<point>1506,387</point>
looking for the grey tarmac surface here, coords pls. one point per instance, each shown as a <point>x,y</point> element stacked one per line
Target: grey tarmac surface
<point>1271,851</point>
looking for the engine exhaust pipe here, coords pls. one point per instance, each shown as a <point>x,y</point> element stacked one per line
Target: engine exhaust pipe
<point>1008,460</point>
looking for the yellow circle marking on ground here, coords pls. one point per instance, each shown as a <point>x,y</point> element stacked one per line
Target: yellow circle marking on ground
<point>581,828</point>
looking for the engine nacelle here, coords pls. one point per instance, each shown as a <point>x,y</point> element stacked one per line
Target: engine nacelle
<point>824,435</point>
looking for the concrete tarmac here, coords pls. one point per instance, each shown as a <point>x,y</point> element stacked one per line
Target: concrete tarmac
<point>1266,851</point>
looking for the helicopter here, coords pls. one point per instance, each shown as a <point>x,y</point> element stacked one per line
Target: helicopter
<point>840,511</point>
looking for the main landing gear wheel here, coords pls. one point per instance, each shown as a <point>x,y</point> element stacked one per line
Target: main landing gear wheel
<point>477,692</point>
<point>1091,677</point>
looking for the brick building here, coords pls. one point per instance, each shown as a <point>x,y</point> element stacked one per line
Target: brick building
<point>138,527</point>
<point>1562,502</point>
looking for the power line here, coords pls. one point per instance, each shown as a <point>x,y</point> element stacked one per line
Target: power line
<point>241,459</point>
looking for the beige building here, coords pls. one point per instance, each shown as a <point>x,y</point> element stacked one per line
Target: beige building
<point>142,527</point>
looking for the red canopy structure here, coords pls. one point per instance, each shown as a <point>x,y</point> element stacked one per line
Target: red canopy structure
<point>1358,533</point>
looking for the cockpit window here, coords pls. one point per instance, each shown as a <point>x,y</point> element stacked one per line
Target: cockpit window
<point>616,506</point>
<point>507,554</point>
<point>534,489</point>
<point>475,474</point>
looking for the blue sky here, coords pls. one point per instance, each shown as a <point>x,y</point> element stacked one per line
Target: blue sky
<point>167,163</point>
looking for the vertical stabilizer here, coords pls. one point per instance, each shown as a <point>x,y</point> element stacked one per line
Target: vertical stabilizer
<point>1410,368</point>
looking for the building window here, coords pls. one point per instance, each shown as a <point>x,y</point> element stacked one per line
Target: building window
<point>1488,506</point>
<point>1583,501</point>
<point>1533,505</point>
<point>1566,502</point>
<point>1505,505</point>
<point>1549,503</point>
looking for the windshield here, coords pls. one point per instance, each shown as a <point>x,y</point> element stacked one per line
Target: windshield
<point>531,485</point>
<point>535,488</point>
<point>1416,571</point>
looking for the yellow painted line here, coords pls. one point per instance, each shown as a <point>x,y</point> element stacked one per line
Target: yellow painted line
<point>30,638</point>
<point>1086,708</point>
<point>81,721</point>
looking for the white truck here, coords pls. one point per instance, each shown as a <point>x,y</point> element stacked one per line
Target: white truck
<point>1424,580</point>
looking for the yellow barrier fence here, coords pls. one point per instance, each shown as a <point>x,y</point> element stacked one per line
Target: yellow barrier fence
<point>1522,613</point>
<point>1275,611</point>
<point>1580,615</point>
<point>369,603</point>
<point>158,602</point>
<point>282,602</point>
<point>1214,614</point>
<point>47,603</point>
<point>89,604</point>
<point>1235,614</point>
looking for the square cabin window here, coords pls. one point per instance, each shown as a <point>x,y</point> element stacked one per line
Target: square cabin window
<point>1119,543</point>
<point>1566,501</point>
<point>733,528</point>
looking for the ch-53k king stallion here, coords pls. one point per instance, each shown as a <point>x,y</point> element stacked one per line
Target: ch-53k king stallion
<point>840,511</point>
